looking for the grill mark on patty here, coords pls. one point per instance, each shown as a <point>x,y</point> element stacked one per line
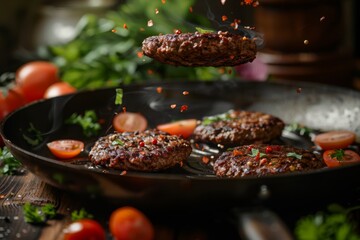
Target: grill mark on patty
<point>200,49</point>
<point>237,162</point>
<point>138,151</point>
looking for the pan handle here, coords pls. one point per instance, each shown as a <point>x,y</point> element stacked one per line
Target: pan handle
<point>261,224</point>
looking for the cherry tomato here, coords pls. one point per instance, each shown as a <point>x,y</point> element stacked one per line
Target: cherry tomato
<point>182,128</point>
<point>84,229</point>
<point>349,157</point>
<point>10,102</point>
<point>335,139</point>
<point>129,122</point>
<point>66,148</point>
<point>127,223</point>
<point>34,78</point>
<point>58,89</point>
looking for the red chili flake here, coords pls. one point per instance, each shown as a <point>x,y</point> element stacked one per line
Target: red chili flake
<point>248,2</point>
<point>150,23</point>
<point>159,89</point>
<point>140,54</point>
<point>141,143</point>
<point>276,148</point>
<point>154,141</point>
<point>156,11</point>
<point>263,161</point>
<point>250,148</point>
<point>232,57</point>
<point>268,149</point>
<point>181,164</point>
<point>223,2</point>
<point>257,157</point>
<point>173,106</point>
<point>235,24</point>
<point>185,93</point>
<point>163,1</point>
<point>298,90</point>
<point>125,26</point>
<point>184,108</point>
<point>190,9</point>
<point>124,109</point>
<point>224,18</point>
<point>123,172</point>
<point>205,160</point>
<point>150,71</point>
<point>113,30</point>
<point>306,42</point>
<point>237,152</point>
<point>177,31</point>
<point>322,18</point>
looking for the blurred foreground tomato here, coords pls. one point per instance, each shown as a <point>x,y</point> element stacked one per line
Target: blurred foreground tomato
<point>128,223</point>
<point>58,89</point>
<point>84,229</point>
<point>10,100</point>
<point>335,139</point>
<point>35,77</point>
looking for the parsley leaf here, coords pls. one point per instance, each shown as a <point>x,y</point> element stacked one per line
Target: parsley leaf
<point>255,152</point>
<point>201,30</point>
<point>338,154</point>
<point>88,122</point>
<point>81,214</point>
<point>119,96</point>
<point>117,142</point>
<point>294,155</point>
<point>35,137</point>
<point>38,214</point>
<point>216,118</point>
<point>9,165</point>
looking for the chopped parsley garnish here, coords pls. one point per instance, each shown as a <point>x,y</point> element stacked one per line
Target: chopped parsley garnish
<point>256,153</point>
<point>117,142</point>
<point>8,164</point>
<point>88,122</point>
<point>33,136</point>
<point>81,214</point>
<point>201,30</point>
<point>216,118</point>
<point>119,96</point>
<point>335,223</point>
<point>294,155</point>
<point>338,154</point>
<point>38,214</point>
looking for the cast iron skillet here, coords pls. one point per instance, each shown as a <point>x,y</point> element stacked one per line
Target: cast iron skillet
<point>317,106</point>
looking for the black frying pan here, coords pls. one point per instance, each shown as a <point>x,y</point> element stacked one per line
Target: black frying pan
<point>317,106</point>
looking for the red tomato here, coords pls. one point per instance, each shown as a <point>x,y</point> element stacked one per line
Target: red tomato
<point>84,229</point>
<point>182,128</point>
<point>58,89</point>
<point>127,223</point>
<point>335,139</point>
<point>349,157</point>
<point>129,122</point>
<point>10,102</point>
<point>34,78</point>
<point>66,148</point>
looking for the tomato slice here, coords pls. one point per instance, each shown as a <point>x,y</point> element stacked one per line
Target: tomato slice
<point>84,229</point>
<point>184,128</point>
<point>335,139</point>
<point>66,148</point>
<point>346,157</point>
<point>129,122</point>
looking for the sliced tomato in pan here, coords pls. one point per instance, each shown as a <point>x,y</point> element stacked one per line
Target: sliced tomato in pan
<point>339,157</point>
<point>66,148</point>
<point>182,128</point>
<point>335,139</point>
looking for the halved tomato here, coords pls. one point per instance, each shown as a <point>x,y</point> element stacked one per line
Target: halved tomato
<point>339,157</point>
<point>129,122</point>
<point>84,229</point>
<point>184,128</point>
<point>335,139</point>
<point>66,148</point>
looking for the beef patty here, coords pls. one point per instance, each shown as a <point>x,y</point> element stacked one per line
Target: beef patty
<point>200,49</point>
<point>150,150</point>
<point>238,127</point>
<point>260,160</point>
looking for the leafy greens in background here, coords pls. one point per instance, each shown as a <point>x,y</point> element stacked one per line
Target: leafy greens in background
<point>107,50</point>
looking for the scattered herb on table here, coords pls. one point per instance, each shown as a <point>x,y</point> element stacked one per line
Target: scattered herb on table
<point>88,122</point>
<point>9,165</point>
<point>38,214</point>
<point>294,155</point>
<point>335,224</point>
<point>80,214</point>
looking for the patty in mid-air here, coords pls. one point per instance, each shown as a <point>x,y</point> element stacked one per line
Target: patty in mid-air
<point>200,49</point>
<point>238,127</point>
<point>150,150</point>
<point>260,160</point>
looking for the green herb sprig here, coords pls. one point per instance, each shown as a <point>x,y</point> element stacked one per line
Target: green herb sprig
<point>38,214</point>
<point>88,122</point>
<point>338,154</point>
<point>9,165</point>
<point>80,214</point>
<point>256,153</point>
<point>294,155</point>
<point>216,118</point>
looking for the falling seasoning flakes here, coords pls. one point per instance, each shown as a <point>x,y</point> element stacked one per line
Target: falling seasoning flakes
<point>248,2</point>
<point>224,18</point>
<point>322,18</point>
<point>184,108</point>
<point>156,11</point>
<point>150,23</point>
<point>123,172</point>
<point>177,31</point>
<point>125,26</point>
<point>306,42</point>
<point>205,160</point>
<point>235,24</point>
<point>113,30</point>
<point>140,54</point>
<point>185,93</point>
<point>173,106</point>
<point>124,109</point>
<point>223,2</point>
<point>159,89</point>
<point>256,4</point>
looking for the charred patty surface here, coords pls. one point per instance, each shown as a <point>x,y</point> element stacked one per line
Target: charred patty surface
<point>261,160</point>
<point>237,127</point>
<point>150,150</point>
<point>200,49</point>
